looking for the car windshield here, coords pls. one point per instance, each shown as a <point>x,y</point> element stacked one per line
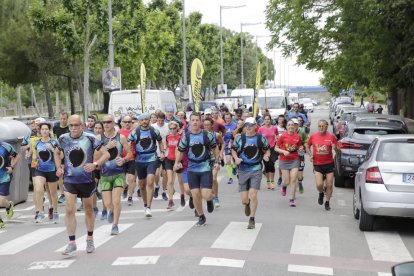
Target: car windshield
<point>272,102</point>
<point>247,99</point>
<point>372,133</point>
<point>396,151</point>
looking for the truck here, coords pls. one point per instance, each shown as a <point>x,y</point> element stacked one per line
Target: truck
<point>275,100</point>
<point>246,95</point>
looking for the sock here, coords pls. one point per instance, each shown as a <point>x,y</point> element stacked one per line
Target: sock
<point>145,205</point>
<point>72,238</point>
<point>229,170</point>
<point>252,218</point>
<point>90,233</point>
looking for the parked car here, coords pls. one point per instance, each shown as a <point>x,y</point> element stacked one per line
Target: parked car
<point>335,107</point>
<point>343,118</point>
<point>307,104</point>
<point>358,136</point>
<point>384,183</point>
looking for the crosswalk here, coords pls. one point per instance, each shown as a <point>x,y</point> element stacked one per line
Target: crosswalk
<point>232,246</point>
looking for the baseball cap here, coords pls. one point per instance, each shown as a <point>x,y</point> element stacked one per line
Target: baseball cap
<point>39,120</point>
<point>250,122</point>
<point>143,116</point>
<point>169,109</point>
<point>207,111</point>
<point>295,121</point>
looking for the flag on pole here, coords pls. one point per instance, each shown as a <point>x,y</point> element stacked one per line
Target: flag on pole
<point>197,71</point>
<point>143,76</point>
<point>256,92</point>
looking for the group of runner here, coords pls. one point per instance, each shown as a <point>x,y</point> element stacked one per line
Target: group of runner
<point>154,145</point>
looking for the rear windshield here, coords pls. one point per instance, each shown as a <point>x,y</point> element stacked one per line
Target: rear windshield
<point>396,152</point>
<point>363,133</point>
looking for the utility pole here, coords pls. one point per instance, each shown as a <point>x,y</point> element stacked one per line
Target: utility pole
<point>184,51</point>
<point>241,48</point>
<point>110,42</point>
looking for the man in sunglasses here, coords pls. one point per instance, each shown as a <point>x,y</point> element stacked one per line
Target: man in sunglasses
<point>323,143</point>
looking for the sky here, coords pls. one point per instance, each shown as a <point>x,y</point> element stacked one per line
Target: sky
<point>287,73</point>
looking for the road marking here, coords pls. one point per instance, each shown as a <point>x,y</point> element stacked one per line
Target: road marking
<point>208,261</point>
<point>81,214</point>
<point>51,264</point>
<point>384,274</point>
<point>138,260</point>
<point>341,202</point>
<point>387,246</point>
<point>100,236</point>
<point>21,243</point>
<point>311,240</point>
<point>25,209</point>
<point>237,237</point>
<point>166,235</point>
<point>3,231</point>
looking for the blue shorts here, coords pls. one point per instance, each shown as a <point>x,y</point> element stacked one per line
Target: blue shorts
<point>144,169</point>
<point>200,180</point>
<point>82,190</point>
<point>185,176</point>
<point>227,151</point>
<point>4,189</point>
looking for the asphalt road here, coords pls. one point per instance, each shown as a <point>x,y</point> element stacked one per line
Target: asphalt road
<point>304,240</point>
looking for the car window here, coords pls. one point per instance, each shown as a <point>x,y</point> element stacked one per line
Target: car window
<point>366,132</point>
<point>396,151</point>
<point>370,149</point>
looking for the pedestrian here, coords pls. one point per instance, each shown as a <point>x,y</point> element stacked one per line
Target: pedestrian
<point>99,129</point>
<point>389,106</point>
<point>198,144</point>
<point>362,102</point>
<point>380,109</point>
<point>281,128</point>
<point>10,158</point>
<point>230,127</point>
<point>271,134</point>
<point>153,118</point>
<point>288,146</point>
<point>78,148</point>
<point>249,150</point>
<point>319,148</point>
<point>162,126</point>
<point>147,161</point>
<point>113,175</point>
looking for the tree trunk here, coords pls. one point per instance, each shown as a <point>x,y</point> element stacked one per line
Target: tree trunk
<point>79,84</point>
<point>45,82</point>
<point>71,96</point>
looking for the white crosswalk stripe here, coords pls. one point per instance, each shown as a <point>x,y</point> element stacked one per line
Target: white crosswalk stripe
<point>139,260</point>
<point>50,264</point>
<point>237,237</point>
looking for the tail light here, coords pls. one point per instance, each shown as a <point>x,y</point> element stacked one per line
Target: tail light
<point>349,145</point>
<point>373,175</point>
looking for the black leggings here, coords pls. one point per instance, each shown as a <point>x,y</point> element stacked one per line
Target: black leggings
<point>270,165</point>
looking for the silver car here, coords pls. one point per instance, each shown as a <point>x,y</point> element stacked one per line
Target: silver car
<point>384,182</point>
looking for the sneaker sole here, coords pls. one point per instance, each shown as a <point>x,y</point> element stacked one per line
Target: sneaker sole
<point>251,227</point>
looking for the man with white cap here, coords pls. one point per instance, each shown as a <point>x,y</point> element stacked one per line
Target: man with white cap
<point>145,139</point>
<point>248,150</point>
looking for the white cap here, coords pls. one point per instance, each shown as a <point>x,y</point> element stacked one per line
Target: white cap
<point>207,111</point>
<point>39,120</point>
<point>250,121</point>
<point>295,121</point>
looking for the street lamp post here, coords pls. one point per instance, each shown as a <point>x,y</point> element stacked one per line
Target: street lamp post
<point>110,41</point>
<point>221,39</point>
<point>184,51</point>
<point>241,48</point>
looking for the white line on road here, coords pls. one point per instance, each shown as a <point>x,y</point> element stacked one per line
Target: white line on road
<point>166,235</point>
<point>51,264</point>
<point>2,231</point>
<point>81,214</point>
<point>21,243</point>
<point>384,274</point>
<point>310,269</point>
<point>387,246</point>
<point>100,236</point>
<point>237,237</point>
<point>208,261</point>
<point>139,260</point>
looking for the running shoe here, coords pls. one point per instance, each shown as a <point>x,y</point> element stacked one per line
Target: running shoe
<point>164,196</point>
<point>191,203</point>
<point>114,230</point>
<point>55,217</point>
<point>320,198</point>
<point>148,213</point>
<point>234,171</point>
<point>70,249</point>
<point>182,200</point>
<point>125,192</point>
<point>61,199</point>
<point>130,201</point>
<point>1,223</point>
<point>210,206</point>
<point>104,215</point>
<point>216,202</point>
<point>279,181</point>
<point>230,181</point>
<point>283,190</point>
<point>9,210</point>
<point>90,246</point>
<point>300,185</point>
<point>201,221</point>
<point>95,211</point>
<point>111,217</point>
<point>157,188</point>
<point>138,193</point>
<point>252,224</point>
<point>170,205</point>
<point>50,213</point>
<point>292,203</point>
<point>327,207</point>
<point>247,210</point>
<point>99,195</point>
<point>40,217</point>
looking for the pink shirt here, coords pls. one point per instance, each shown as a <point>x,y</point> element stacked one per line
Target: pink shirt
<point>269,133</point>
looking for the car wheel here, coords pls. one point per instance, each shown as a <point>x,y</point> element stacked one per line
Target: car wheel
<point>354,205</point>
<point>366,221</point>
<point>339,180</point>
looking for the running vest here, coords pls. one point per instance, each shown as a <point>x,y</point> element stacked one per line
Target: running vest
<point>110,167</point>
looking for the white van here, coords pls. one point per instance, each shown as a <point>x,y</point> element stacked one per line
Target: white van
<point>246,96</point>
<point>275,100</point>
<point>122,102</point>
<point>293,98</point>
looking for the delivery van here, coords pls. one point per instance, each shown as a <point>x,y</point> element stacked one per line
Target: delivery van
<point>246,96</point>
<point>275,100</point>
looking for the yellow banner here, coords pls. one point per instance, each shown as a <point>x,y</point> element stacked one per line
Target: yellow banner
<point>256,92</point>
<point>143,84</point>
<point>197,71</point>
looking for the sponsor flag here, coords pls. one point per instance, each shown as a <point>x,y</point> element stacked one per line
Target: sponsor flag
<point>197,71</point>
<point>143,84</point>
<point>256,92</point>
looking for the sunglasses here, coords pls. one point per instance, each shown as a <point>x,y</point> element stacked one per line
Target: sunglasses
<point>74,125</point>
<point>172,128</point>
<point>107,122</point>
<point>127,122</point>
<point>321,126</point>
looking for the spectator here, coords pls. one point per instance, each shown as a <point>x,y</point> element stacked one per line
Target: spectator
<point>379,109</point>
<point>389,106</point>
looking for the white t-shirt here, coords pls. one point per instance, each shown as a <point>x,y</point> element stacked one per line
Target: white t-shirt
<point>164,131</point>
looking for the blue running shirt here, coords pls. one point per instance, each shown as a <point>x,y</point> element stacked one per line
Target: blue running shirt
<point>45,155</point>
<point>198,152</point>
<point>6,151</point>
<point>251,154</point>
<point>110,167</point>
<point>145,145</point>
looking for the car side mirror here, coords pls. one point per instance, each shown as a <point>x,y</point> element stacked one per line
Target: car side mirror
<point>403,269</point>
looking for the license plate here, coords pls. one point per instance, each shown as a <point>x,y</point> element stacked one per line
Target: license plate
<point>408,177</point>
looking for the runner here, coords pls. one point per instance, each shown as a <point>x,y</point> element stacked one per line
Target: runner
<point>153,118</point>
<point>113,176</point>
<point>281,128</point>
<point>287,146</point>
<point>230,127</point>
<point>208,126</point>
<point>10,157</point>
<point>146,160</point>
<point>78,148</point>
<point>98,129</point>
<point>59,129</point>
<point>295,114</point>
<point>199,144</point>
<point>304,139</point>
<point>45,172</point>
<point>271,134</point>
<point>162,127</point>
<point>249,149</point>
<point>321,155</point>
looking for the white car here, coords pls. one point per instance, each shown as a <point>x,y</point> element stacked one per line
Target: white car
<point>307,104</point>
